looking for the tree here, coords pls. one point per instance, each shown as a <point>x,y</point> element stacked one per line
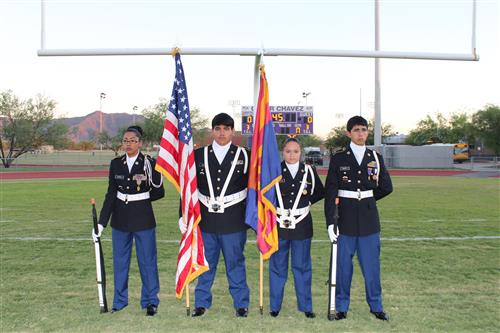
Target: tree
<point>26,125</point>
<point>387,131</point>
<point>458,128</point>
<point>56,136</point>
<point>154,119</point>
<point>111,142</point>
<point>487,125</point>
<point>304,140</point>
<point>337,137</point>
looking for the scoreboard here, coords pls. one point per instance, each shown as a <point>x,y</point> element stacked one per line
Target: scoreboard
<point>296,119</point>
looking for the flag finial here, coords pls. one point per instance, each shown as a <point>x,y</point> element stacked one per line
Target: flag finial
<point>175,50</point>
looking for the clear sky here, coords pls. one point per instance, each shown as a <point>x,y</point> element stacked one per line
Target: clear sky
<point>410,89</point>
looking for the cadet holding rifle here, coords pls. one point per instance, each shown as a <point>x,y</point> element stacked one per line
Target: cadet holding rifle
<point>358,177</point>
<point>133,185</point>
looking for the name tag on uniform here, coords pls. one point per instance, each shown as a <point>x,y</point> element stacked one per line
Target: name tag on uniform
<point>345,168</point>
<point>120,177</point>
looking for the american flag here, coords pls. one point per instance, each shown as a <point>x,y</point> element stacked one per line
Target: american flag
<point>176,163</point>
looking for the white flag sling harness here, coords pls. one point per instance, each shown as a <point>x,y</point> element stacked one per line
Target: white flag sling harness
<point>288,218</point>
<point>217,204</point>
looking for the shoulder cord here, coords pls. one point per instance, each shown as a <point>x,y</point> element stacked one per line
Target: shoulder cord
<point>378,164</point>
<point>149,173</point>
<point>313,179</point>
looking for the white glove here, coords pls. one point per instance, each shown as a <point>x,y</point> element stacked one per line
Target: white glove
<point>182,227</point>
<point>331,233</point>
<point>95,236</point>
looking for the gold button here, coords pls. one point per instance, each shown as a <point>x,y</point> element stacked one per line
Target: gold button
<point>359,172</point>
<point>293,193</point>
<point>128,179</point>
<point>359,181</point>
<point>219,171</point>
<point>218,179</point>
<point>218,187</point>
<point>293,185</point>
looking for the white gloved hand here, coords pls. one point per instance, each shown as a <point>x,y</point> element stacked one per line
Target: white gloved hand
<point>95,236</point>
<point>331,233</point>
<point>182,227</point>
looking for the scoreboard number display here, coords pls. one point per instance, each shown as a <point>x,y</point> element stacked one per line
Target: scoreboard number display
<point>294,120</point>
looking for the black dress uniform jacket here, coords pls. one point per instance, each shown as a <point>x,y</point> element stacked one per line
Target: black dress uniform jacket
<point>233,218</point>
<point>356,217</point>
<point>289,188</point>
<point>134,215</point>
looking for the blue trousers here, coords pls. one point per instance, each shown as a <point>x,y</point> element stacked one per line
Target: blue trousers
<point>145,247</point>
<point>232,246</point>
<point>368,251</point>
<point>302,273</point>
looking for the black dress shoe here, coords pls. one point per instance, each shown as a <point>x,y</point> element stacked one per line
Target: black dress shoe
<point>310,314</point>
<point>380,315</point>
<point>197,312</point>
<point>274,313</point>
<point>242,312</point>
<point>113,310</point>
<point>340,315</point>
<point>151,310</point>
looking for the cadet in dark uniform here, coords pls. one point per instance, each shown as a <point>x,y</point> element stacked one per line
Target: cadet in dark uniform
<point>133,185</point>
<point>299,188</point>
<point>222,175</point>
<point>358,177</point>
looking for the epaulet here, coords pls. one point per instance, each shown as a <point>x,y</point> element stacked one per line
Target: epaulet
<point>338,150</point>
<point>149,157</point>
<point>119,157</point>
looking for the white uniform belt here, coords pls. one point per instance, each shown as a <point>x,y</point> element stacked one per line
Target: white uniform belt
<point>228,200</point>
<point>355,194</point>
<point>132,197</point>
<point>292,212</point>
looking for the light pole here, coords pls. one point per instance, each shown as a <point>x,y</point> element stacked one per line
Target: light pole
<point>134,109</point>
<point>304,95</point>
<point>234,103</point>
<point>101,97</point>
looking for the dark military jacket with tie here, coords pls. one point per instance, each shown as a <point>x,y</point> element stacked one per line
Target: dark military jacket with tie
<point>289,188</point>
<point>134,215</point>
<point>356,217</point>
<point>233,218</point>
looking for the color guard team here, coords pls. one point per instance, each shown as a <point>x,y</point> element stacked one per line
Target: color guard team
<point>356,175</point>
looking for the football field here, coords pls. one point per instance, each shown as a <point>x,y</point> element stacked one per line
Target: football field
<point>440,264</point>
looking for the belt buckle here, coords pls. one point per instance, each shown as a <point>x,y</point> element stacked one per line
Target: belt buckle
<point>126,199</point>
<point>359,195</point>
<point>215,206</point>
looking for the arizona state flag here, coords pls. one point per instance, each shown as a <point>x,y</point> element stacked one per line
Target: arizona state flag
<point>265,172</point>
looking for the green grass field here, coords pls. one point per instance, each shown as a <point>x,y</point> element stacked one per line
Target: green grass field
<point>428,286</point>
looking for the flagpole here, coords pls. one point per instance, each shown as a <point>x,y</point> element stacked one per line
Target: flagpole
<point>187,300</point>
<point>261,284</point>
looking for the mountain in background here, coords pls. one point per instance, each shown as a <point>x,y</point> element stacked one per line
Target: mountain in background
<point>86,128</point>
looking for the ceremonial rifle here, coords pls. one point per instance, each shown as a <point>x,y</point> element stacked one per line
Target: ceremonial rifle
<point>332,279</point>
<point>99,264</point>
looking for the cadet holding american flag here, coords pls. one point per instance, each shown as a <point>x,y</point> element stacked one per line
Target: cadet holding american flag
<point>222,174</point>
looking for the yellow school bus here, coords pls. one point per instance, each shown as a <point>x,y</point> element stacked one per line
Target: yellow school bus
<point>461,152</point>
